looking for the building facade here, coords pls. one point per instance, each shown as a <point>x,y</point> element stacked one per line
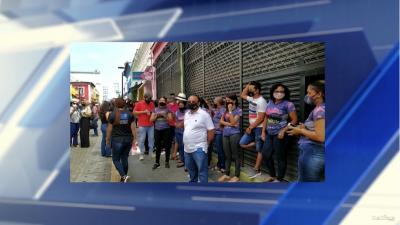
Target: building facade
<point>212,69</point>
<point>86,91</point>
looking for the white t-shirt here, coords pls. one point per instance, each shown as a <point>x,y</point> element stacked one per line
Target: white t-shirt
<point>256,106</point>
<point>195,134</point>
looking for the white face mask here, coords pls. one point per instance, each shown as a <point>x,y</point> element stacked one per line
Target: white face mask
<point>279,96</point>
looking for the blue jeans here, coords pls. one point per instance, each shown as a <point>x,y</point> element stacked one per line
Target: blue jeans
<point>311,162</point>
<point>254,136</point>
<point>142,131</point>
<point>196,163</point>
<point>220,151</point>
<point>275,148</point>
<point>179,139</point>
<point>95,126</point>
<point>105,150</point>
<point>74,128</point>
<point>120,154</point>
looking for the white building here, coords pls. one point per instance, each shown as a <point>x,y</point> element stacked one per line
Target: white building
<point>105,93</point>
<point>140,63</point>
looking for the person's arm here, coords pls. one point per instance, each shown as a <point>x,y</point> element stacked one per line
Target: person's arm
<point>259,120</point>
<point>293,120</point>
<point>137,111</point>
<point>108,137</point>
<point>317,135</point>
<point>233,120</point>
<point>245,92</point>
<point>169,116</point>
<point>264,128</point>
<point>222,121</point>
<point>210,135</point>
<point>210,129</point>
<point>71,110</point>
<point>153,117</point>
<point>133,129</point>
<point>293,117</point>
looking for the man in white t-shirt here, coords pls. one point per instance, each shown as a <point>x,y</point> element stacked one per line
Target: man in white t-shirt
<point>257,107</point>
<point>199,132</point>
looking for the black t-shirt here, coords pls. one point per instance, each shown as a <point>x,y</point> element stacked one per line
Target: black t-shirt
<point>123,129</point>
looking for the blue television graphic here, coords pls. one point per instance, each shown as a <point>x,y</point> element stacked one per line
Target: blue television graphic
<point>362,74</point>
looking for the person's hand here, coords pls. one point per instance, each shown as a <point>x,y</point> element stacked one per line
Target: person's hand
<point>294,130</point>
<point>248,130</point>
<point>281,134</point>
<point>108,143</point>
<point>263,136</point>
<point>133,143</point>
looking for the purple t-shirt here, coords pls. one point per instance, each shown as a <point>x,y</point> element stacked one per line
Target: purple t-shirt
<point>278,115</point>
<point>317,113</point>
<point>161,123</point>
<point>231,130</point>
<point>217,117</point>
<point>180,118</point>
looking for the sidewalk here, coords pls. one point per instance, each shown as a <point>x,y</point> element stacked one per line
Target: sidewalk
<point>87,164</point>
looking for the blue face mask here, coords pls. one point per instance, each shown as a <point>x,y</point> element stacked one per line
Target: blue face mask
<point>308,100</point>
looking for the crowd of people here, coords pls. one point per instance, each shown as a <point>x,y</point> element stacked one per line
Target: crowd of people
<point>190,129</point>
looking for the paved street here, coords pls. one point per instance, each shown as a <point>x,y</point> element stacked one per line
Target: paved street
<point>87,165</point>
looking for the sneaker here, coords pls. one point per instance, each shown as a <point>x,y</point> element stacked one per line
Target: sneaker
<point>156,165</point>
<point>141,158</point>
<point>180,164</point>
<point>126,178</point>
<point>234,179</point>
<point>166,164</point>
<point>146,152</point>
<point>223,178</point>
<point>254,173</point>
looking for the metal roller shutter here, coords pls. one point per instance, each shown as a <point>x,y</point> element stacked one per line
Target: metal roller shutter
<point>218,68</point>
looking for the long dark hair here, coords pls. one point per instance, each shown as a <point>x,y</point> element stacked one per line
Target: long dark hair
<point>119,104</point>
<point>274,87</point>
<point>104,108</point>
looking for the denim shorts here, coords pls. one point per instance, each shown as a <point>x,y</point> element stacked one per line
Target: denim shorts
<point>254,136</point>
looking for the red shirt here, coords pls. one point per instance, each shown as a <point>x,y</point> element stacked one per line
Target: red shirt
<point>173,107</point>
<point>144,119</point>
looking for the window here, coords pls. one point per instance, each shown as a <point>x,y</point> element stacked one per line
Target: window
<point>81,91</point>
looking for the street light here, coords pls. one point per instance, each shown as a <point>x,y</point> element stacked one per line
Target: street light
<point>122,80</point>
<point>126,69</point>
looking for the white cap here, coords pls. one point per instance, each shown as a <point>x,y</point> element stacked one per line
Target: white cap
<point>181,96</point>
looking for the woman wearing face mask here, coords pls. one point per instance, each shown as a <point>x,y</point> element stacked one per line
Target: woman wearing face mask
<point>231,136</point>
<point>278,113</point>
<point>121,132</point>
<point>312,135</point>
<point>161,115</point>
<point>179,128</point>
